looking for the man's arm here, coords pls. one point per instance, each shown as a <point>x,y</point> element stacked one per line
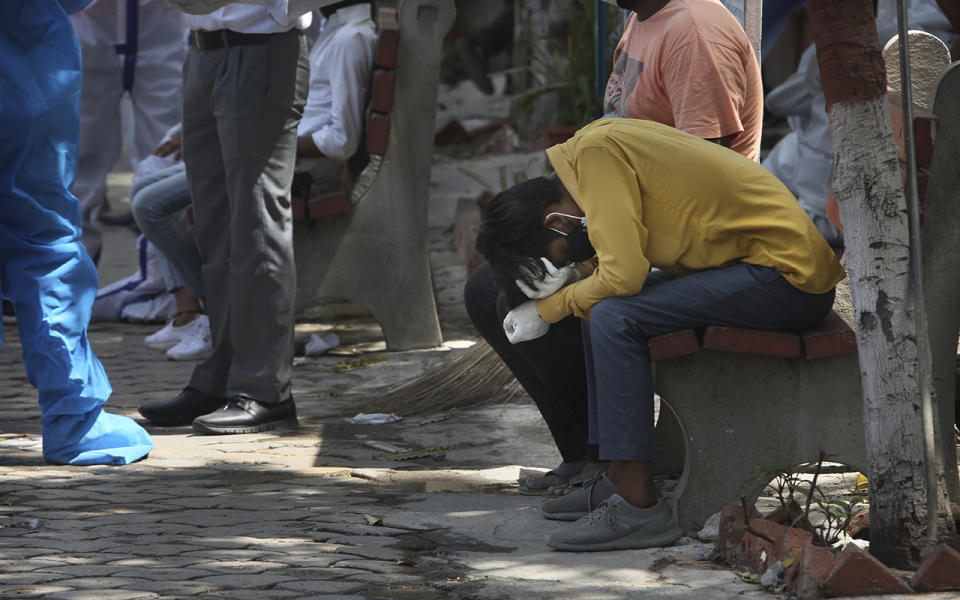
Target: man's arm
<point>616,230</point>
<point>173,146</point>
<point>307,148</point>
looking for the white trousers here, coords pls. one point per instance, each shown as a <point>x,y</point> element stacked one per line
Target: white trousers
<point>155,96</point>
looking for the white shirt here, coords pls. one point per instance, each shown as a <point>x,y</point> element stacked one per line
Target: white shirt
<point>340,64</point>
<point>267,16</point>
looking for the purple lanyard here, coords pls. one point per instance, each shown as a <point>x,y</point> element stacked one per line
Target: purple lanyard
<point>129,49</point>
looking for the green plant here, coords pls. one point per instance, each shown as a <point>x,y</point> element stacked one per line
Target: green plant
<point>566,68</point>
<point>832,515</point>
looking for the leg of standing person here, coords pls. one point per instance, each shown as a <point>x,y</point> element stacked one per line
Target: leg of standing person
<point>551,369</point>
<point>156,99</point>
<point>101,143</point>
<point>239,135</point>
<point>44,269</point>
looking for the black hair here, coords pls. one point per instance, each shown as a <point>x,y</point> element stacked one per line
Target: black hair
<point>512,236</point>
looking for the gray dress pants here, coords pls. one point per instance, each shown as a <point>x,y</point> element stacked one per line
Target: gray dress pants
<point>241,107</point>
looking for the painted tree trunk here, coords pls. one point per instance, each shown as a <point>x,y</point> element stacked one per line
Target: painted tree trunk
<point>869,192</point>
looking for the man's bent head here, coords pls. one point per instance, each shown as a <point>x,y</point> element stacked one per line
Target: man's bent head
<point>513,237</point>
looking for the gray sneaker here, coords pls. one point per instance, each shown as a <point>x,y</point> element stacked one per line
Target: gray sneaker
<point>581,501</point>
<point>617,525</point>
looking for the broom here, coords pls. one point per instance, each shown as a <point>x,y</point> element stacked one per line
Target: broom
<point>475,378</point>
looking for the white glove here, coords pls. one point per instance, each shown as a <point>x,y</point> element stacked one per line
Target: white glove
<point>551,282</point>
<point>524,323</point>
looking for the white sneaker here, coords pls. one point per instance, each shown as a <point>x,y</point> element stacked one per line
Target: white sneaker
<point>196,345</point>
<point>171,335</point>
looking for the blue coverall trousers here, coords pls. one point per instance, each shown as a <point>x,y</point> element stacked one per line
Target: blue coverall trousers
<point>44,270</point>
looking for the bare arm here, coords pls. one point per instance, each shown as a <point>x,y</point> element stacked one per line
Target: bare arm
<point>171,146</point>
<point>306,147</point>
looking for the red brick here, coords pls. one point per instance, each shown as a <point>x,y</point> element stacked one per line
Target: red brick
<point>381,94</point>
<point>753,341</point>
<point>859,525</point>
<point>757,553</point>
<point>745,550</point>
<point>731,528</point>
<point>378,134</point>
<point>814,564</point>
<point>671,345</point>
<point>792,543</point>
<point>388,40</point>
<point>857,573</point>
<point>830,338</point>
<point>939,571</point>
<point>786,514</point>
<point>792,569</point>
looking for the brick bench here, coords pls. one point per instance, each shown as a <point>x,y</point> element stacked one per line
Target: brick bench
<point>738,403</point>
<point>369,244</point>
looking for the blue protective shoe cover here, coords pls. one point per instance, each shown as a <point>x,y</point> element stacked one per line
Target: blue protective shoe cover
<point>95,438</point>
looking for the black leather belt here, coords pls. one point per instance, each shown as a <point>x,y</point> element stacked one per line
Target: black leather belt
<point>328,10</point>
<point>224,38</point>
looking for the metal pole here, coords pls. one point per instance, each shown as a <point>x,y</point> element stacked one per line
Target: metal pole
<point>916,264</point>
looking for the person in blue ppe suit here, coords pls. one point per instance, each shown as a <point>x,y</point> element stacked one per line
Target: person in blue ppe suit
<point>44,270</point>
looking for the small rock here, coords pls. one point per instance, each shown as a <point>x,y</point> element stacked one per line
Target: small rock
<point>706,553</point>
<point>711,529</point>
<point>773,576</point>
<point>372,520</point>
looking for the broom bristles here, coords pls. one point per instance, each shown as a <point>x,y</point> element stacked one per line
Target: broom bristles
<point>475,378</point>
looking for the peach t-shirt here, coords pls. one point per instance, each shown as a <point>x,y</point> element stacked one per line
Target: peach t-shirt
<point>690,66</point>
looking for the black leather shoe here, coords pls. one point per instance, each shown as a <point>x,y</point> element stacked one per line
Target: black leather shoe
<point>183,409</point>
<point>246,415</point>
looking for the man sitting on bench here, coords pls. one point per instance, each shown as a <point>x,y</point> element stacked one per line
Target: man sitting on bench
<point>688,64</point>
<point>341,61</point>
<point>731,247</point>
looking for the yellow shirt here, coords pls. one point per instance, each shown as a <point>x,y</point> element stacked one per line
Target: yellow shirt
<point>656,196</point>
